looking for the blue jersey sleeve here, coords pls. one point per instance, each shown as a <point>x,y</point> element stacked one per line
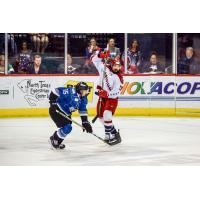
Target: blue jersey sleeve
<point>83,106</point>
<point>68,100</point>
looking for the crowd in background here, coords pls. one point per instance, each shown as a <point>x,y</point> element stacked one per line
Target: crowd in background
<point>35,53</point>
<point>44,53</point>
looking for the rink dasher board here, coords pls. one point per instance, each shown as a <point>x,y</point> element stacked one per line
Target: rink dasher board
<point>140,95</point>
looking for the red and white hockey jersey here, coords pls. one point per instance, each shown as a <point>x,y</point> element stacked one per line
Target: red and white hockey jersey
<point>109,81</point>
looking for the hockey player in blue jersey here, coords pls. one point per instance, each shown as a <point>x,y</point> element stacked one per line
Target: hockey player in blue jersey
<point>67,100</point>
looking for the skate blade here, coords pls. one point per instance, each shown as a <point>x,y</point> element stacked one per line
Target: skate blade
<point>53,148</point>
<point>114,142</point>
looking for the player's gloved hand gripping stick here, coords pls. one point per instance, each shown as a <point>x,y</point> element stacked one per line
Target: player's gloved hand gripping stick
<point>65,116</point>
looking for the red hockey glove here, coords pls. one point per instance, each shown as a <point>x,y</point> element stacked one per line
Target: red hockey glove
<point>104,54</point>
<point>103,94</point>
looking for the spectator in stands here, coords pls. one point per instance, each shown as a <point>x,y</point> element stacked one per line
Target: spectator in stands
<point>89,67</point>
<point>2,64</point>
<point>91,47</point>
<point>188,64</point>
<point>134,58</point>
<point>37,68</point>
<point>184,41</point>
<point>40,41</point>
<point>114,51</point>
<point>23,60</point>
<point>153,66</point>
<point>71,68</point>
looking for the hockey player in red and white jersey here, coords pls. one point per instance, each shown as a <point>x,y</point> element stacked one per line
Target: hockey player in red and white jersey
<point>109,86</point>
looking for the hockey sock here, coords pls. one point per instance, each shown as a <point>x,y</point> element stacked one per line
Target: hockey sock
<point>109,129</point>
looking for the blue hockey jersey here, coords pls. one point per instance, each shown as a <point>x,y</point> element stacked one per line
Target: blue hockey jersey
<point>69,101</point>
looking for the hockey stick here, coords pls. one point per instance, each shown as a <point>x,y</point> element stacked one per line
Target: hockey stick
<point>100,102</point>
<point>65,116</point>
<point>100,99</point>
<point>97,116</point>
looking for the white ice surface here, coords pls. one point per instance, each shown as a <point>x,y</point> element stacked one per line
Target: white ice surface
<point>146,141</point>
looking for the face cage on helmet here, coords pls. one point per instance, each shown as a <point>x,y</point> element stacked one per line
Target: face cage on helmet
<point>84,92</point>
